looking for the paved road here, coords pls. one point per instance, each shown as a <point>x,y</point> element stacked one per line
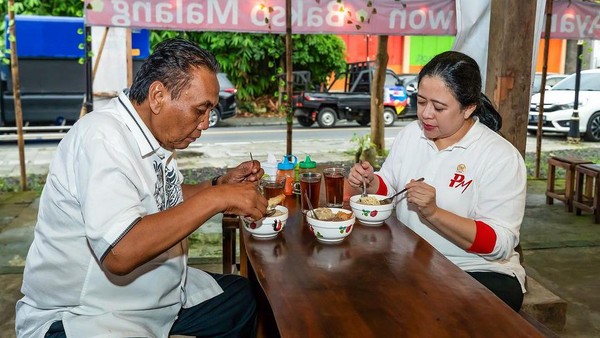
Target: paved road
<point>227,147</point>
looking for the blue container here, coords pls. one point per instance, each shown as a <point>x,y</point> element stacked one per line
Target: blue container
<point>62,37</point>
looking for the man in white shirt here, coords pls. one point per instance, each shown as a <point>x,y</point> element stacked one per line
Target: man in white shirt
<point>109,255</point>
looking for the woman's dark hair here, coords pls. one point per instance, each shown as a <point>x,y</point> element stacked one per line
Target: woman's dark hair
<point>170,64</point>
<point>461,75</point>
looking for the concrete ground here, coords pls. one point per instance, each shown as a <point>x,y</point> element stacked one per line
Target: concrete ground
<point>561,250</point>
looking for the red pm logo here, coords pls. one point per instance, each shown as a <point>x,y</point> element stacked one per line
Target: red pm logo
<point>459,181</point>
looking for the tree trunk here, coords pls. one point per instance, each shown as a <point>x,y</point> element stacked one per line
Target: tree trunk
<point>377,126</point>
<point>509,65</point>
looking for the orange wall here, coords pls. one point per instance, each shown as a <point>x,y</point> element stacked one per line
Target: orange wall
<point>555,59</point>
<point>364,47</point>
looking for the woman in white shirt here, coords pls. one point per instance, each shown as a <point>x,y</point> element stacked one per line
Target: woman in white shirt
<point>471,202</point>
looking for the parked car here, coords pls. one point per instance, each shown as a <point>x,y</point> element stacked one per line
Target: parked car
<point>349,98</point>
<point>227,101</point>
<point>551,80</point>
<point>410,83</point>
<point>559,103</point>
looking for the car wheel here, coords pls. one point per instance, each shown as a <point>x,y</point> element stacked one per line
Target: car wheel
<point>214,117</point>
<point>305,121</point>
<point>326,118</point>
<point>532,132</point>
<point>593,128</point>
<point>389,116</point>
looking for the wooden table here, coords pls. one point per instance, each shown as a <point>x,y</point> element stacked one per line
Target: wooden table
<point>380,282</point>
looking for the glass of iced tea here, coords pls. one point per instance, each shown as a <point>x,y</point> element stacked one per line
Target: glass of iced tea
<point>272,186</point>
<point>334,186</point>
<point>310,187</point>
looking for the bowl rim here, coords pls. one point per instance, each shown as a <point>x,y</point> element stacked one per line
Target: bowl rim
<point>353,201</point>
<point>347,222</point>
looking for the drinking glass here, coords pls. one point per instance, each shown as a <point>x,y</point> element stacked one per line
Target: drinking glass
<point>310,186</point>
<point>272,186</point>
<point>334,186</point>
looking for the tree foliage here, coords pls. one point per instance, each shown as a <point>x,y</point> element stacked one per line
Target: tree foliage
<point>251,61</point>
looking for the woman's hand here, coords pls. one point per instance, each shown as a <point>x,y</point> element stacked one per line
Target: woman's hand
<point>249,171</point>
<point>359,171</point>
<point>422,195</point>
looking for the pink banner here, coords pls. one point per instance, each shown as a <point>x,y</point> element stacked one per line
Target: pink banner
<point>384,17</point>
<point>575,20</point>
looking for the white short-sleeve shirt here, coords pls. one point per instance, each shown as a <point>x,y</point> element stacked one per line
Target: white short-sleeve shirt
<point>482,177</point>
<point>108,172</point>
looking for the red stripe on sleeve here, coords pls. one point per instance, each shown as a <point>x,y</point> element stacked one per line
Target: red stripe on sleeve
<point>485,239</point>
<point>383,190</point>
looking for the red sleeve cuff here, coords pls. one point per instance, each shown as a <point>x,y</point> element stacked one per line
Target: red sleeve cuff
<point>485,239</point>
<point>383,190</point>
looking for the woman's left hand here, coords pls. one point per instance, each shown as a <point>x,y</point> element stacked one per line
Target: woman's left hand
<point>422,195</point>
<point>249,171</point>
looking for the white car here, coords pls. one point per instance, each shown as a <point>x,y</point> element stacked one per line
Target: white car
<point>559,103</point>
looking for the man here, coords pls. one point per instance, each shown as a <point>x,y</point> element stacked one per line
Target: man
<point>109,255</point>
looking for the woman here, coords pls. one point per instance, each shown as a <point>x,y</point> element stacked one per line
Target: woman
<point>471,202</point>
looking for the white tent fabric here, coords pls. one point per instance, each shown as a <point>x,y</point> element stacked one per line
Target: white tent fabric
<point>473,30</point>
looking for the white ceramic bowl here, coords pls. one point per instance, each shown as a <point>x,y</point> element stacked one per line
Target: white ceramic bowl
<point>268,227</point>
<point>330,231</point>
<point>372,215</point>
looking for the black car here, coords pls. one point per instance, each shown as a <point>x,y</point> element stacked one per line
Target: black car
<point>227,101</point>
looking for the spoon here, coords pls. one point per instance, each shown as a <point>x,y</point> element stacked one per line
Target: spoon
<point>364,193</point>
<point>270,212</point>
<point>389,200</point>
<point>310,207</point>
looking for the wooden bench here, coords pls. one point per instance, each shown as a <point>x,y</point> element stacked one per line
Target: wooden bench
<point>587,190</point>
<point>566,195</point>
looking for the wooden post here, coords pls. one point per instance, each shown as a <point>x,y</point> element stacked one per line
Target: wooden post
<point>83,110</point>
<point>14,68</point>
<point>538,143</point>
<point>508,79</point>
<point>289,74</point>
<point>129,58</point>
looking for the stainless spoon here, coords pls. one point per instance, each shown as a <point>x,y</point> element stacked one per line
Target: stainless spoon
<point>310,207</point>
<point>389,200</point>
<point>270,212</point>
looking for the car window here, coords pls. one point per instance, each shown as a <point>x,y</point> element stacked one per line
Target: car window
<point>537,83</point>
<point>589,81</point>
<point>390,80</point>
<point>224,81</point>
<point>552,81</point>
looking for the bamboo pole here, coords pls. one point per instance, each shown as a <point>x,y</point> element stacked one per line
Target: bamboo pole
<point>538,144</point>
<point>83,110</point>
<point>289,74</point>
<point>129,57</point>
<point>14,67</point>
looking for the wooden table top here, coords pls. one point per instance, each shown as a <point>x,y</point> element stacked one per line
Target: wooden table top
<point>380,282</point>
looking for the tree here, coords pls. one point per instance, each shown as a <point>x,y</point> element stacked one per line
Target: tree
<point>247,57</point>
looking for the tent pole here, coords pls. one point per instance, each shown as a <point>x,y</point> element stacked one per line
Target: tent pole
<point>289,74</point>
<point>538,146</point>
<point>89,97</point>
<point>14,67</point>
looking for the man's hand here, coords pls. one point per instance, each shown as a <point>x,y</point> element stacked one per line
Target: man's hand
<point>243,199</point>
<point>249,171</point>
